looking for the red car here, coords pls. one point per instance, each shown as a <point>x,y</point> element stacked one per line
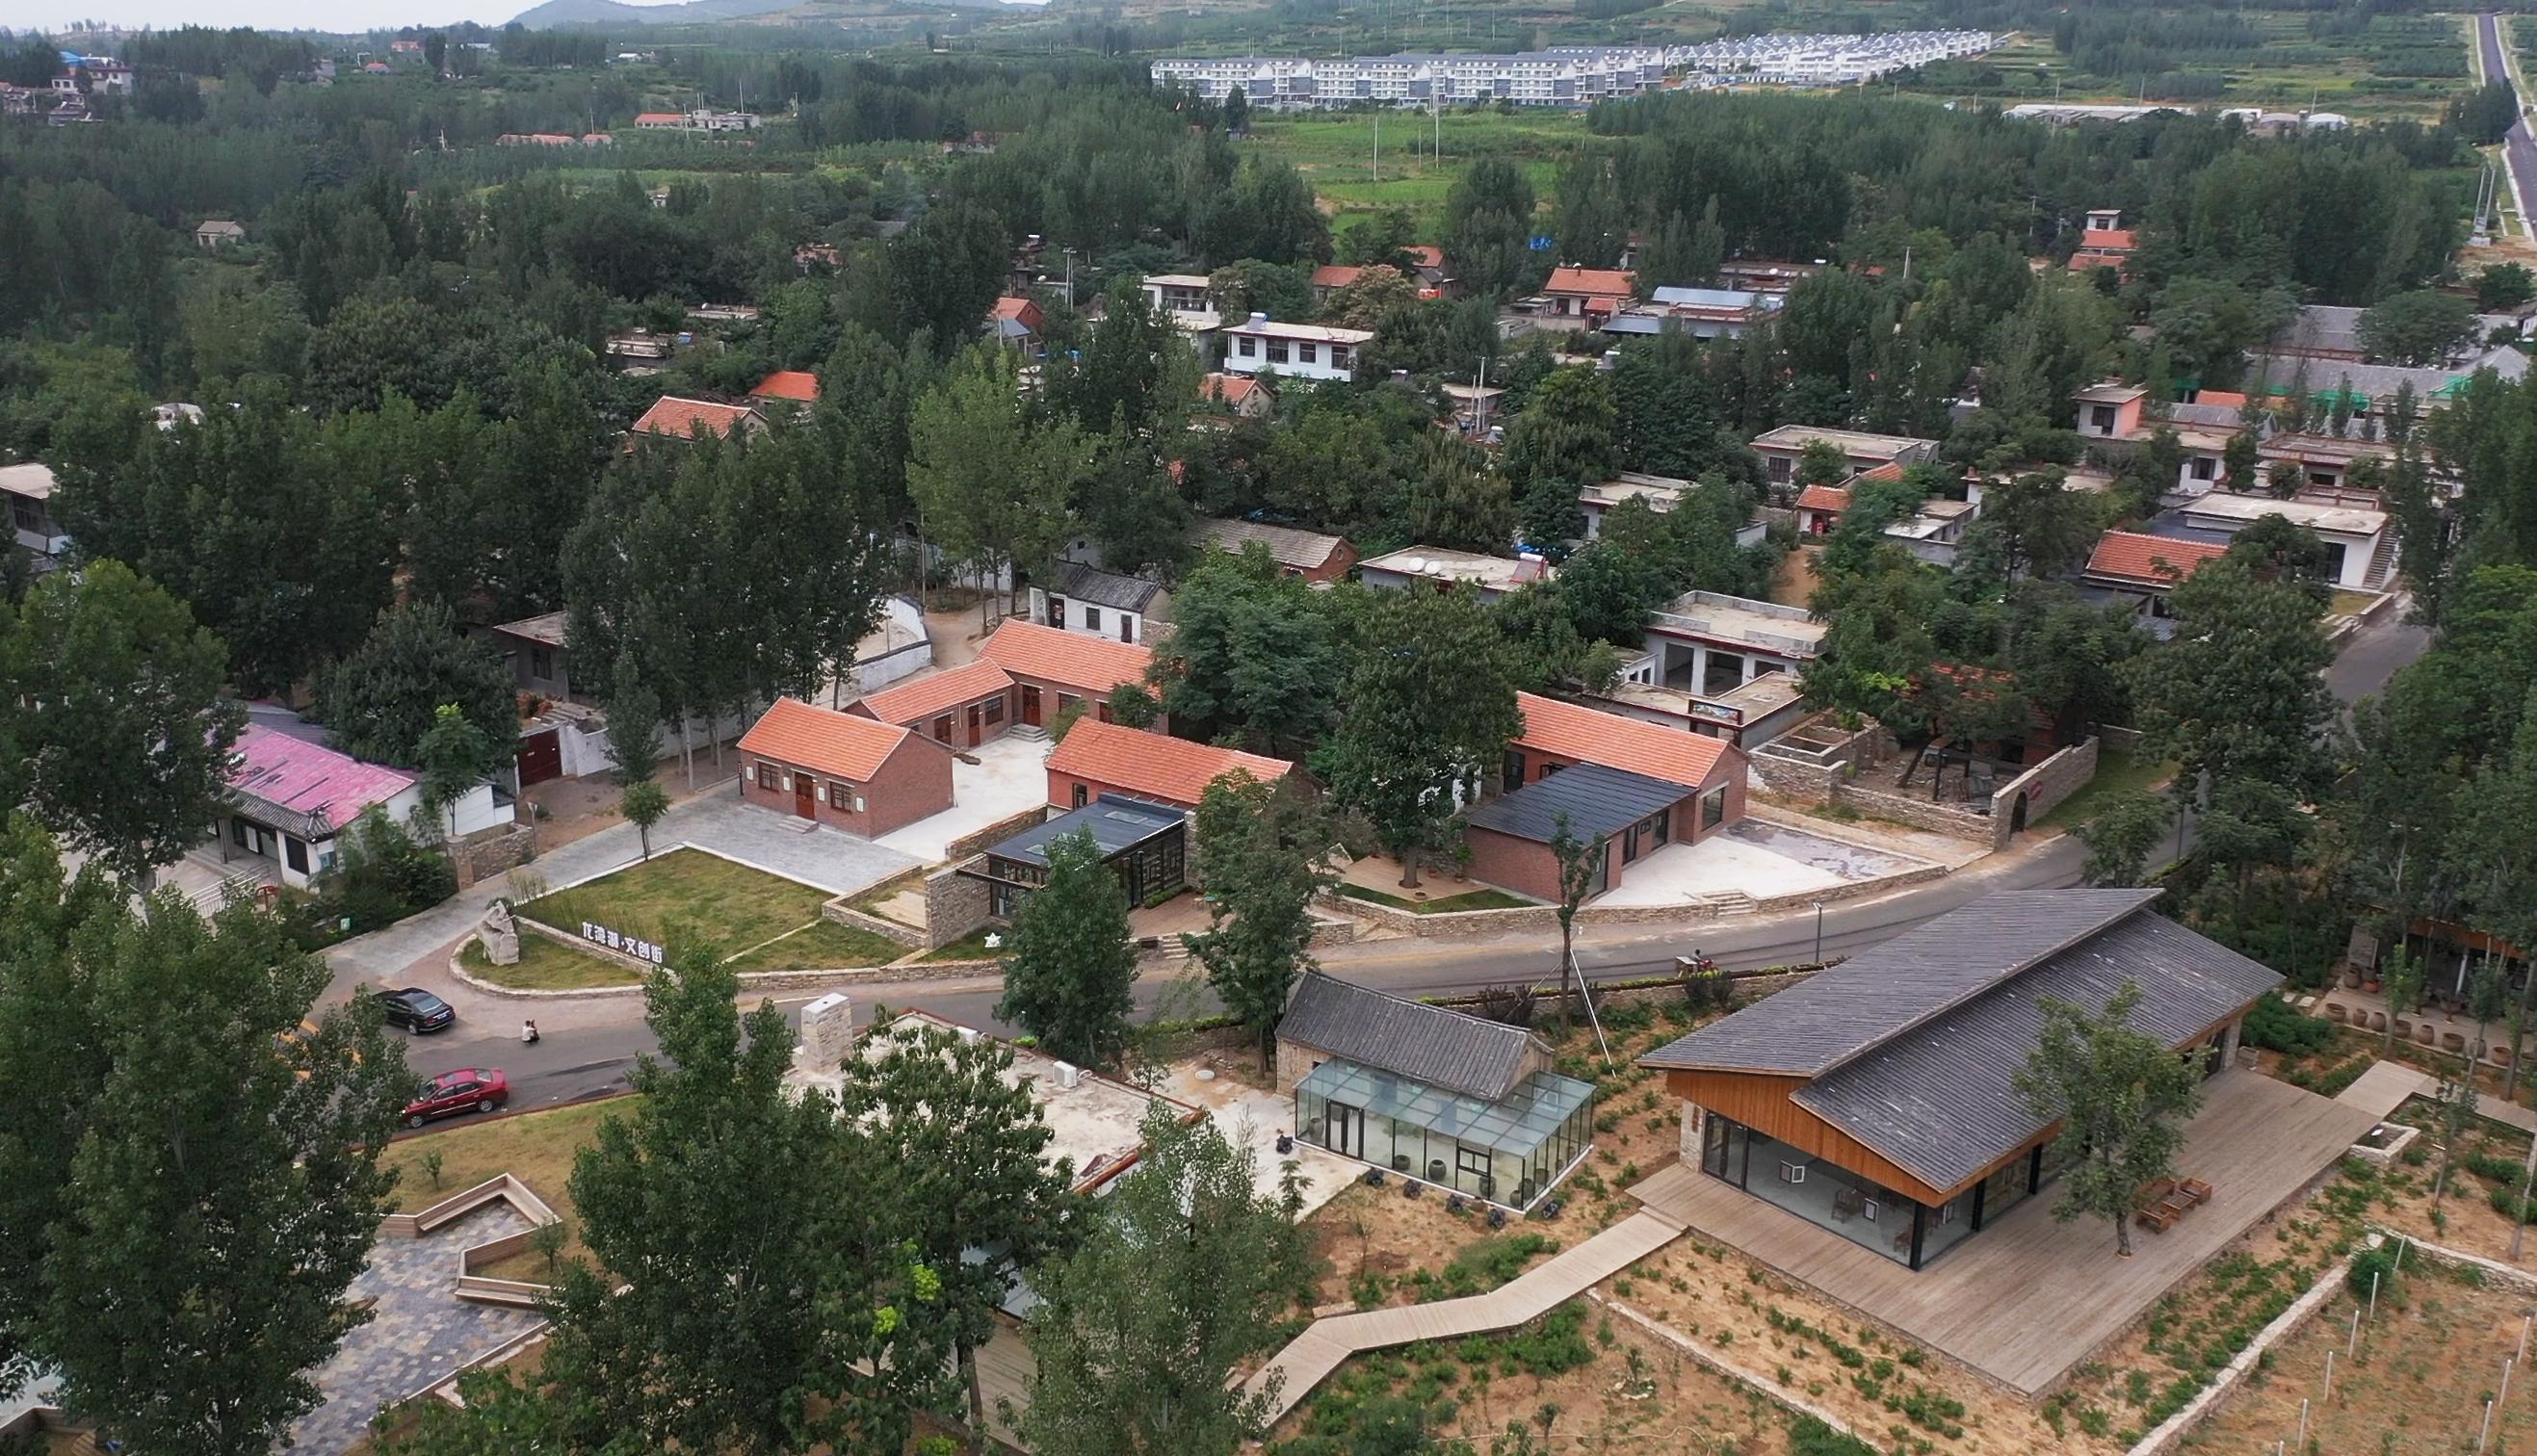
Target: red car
<point>472,1090</point>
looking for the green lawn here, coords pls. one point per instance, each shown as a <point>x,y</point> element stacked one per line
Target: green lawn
<point>825,947</point>
<point>732,905</point>
<point>1335,155</point>
<point>2117,773</point>
<point>1470,900</point>
<point>536,1148</point>
<point>973,946</point>
<point>547,965</point>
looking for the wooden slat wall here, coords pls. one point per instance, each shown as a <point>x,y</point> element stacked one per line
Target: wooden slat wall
<point>1762,1102</point>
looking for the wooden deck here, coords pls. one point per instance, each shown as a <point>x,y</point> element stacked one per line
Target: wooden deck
<point>2028,1298</point>
<point>1310,1356</point>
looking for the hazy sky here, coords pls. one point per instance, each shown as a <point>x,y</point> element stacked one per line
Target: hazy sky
<point>280,15</point>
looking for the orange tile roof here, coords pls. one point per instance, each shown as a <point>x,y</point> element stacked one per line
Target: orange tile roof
<point>787,384</point>
<point>1616,742</point>
<point>921,698</point>
<point>1009,307</point>
<point>1153,765</point>
<point>1335,276</point>
<point>1091,665</point>
<point>1823,499</point>
<point>2107,240</point>
<point>2224,398</point>
<point>676,418</point>
<point>2153,560</point>
<point>1232,389</point>
<point>823,740</point>
<point>1602,282</point>
<point>1426,256</point>
<point>659,118</point>
<point>1892,470</point>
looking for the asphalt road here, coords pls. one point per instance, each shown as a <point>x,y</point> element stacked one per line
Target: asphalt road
<point>588,1047</point>
<point>2372,654</point>
<point>2520,147</point>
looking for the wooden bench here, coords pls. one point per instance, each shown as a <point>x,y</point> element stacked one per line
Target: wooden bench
<point>2198,1191</point>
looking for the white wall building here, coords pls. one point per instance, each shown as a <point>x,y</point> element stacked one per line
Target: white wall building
<point>1293,351</point>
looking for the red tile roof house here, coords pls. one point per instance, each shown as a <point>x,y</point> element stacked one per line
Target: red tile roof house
<point>1577,293</point>
<point>1097,758</point>
<point>1017,322</point>
<point>674,418</point>
<point>792,386</point>
<point>1819,509</point>
<point>2103,244</point>
<point>290,798</point>
<point>1248,397</point>
<point>1317,557</point>
<point>1052,668</point>
<point>1643,786</point>
<point>2145,567</point>
<point>1329,277</point>
<point>962,707</point>
<point>846,772</point>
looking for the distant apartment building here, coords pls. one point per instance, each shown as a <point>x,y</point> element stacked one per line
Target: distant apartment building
<point>1565,77</point>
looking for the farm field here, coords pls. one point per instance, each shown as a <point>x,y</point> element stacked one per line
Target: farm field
<point>1336,154</point>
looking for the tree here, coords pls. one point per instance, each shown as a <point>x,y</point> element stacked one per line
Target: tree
<point>1254,656</point>
<point>633,721</point>
<point>1186,1270</point>
<point>436,49</point>
<point>2241,468</point>
<point>2042,529</point>
<point>1429,709</point>
<point>990,489</point>
<point>965,1142</point>
<point>2122,1098</point>
<point>1488,226</point>
<point>455,756</point>
<point>2416,329</point>
<point>1237,112</point>
<point>2238,692</point>
<point>114,729</point>
<point>758,1297</point>
<point>1583,864</point>
<point>2501,286</point>
<point>1072,977</point>
<point>2127,826</point>
<point>1260,858</point>
<point>384,698</point>
<point>187,1183</point>
<point>643,804</point>
<point>2453,1106</point>
<point>1559,445</point>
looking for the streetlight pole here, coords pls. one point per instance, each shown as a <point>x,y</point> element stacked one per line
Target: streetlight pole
<point>1818,935</point>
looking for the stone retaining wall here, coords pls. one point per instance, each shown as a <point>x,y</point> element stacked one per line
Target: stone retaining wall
<point>485,858</point>
<point>955,904</point>
<point>2042,787</point>
<point>993,833</point>
<point>843,914</point>
<point>1474,924</point>
<point>1918,812</point>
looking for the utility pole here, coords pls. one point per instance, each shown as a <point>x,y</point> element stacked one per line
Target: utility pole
<point>1378,146</point>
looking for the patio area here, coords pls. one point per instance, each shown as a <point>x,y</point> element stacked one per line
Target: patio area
<point>2029,1298</point>
<point>1755,859</point>
<point>1010,776</point>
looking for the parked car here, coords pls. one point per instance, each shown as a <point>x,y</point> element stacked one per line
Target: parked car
<point>471,1090</point>
<point>417,1010</point>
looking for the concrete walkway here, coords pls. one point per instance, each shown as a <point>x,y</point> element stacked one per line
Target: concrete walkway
<point>1308,1360</point>
<point>2383,1089</point>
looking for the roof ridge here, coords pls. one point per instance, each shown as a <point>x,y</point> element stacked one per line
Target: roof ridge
<point>2140,900</point>
<point>1317,973</point>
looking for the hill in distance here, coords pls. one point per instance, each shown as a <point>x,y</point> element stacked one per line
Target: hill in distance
<point>614,13</point>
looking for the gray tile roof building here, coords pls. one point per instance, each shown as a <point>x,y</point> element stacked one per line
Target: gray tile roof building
<point>1076,582</point>
<point>1115,820</point>
<point>1451,1050</point>
<point>1912,1048</point>
<point>1288,546</point>
<point>1597,801</point>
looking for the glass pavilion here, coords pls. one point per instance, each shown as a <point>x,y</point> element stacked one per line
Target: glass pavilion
<point>1509,1152</point>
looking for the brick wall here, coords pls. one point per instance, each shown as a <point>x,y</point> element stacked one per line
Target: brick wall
<point>1525,867</point>
<point>955,905</point>
<point>913,783</point>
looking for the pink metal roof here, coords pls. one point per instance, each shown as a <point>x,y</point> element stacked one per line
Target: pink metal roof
<point>312,777</point>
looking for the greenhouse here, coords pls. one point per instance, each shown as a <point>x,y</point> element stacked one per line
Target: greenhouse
<point>1511,1151</point>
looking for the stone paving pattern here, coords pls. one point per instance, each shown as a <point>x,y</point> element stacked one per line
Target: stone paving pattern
<point>419,1331</point>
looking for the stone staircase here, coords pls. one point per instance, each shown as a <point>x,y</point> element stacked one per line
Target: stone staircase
<point>2382,563</point>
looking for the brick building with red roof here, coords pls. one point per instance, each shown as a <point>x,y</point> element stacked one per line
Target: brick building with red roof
<point>797,386</point>
<point>849,773</point>
<point>672,417</point>
<point>1097,758</point>
<point>1578,292</point>
<point>961,706</point>
<point>1053,669</point>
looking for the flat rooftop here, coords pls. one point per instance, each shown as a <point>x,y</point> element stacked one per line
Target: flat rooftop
<point>2230,512</point>
<point>1498,573</point>
<point>1740,620</point>
<point>1853,442</point>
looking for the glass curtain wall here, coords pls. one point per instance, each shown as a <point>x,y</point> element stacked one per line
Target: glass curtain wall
<point>1507,1152</point>
<point>1854,1206</point>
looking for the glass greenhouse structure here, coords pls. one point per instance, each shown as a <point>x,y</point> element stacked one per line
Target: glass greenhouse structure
<point>1509,1152</point>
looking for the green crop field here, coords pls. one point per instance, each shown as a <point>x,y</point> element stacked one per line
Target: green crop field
<point>1337,154</point>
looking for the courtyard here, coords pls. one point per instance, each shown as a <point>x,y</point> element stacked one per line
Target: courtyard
<point>1007,777</point>
<point>1752,857</point>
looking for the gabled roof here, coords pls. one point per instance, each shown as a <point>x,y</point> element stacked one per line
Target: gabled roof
<point>1602,282</point>
<point>1230,389</point>
<point>672,418</point>
<point>32,480</point>
<point>1879,994</point>
<point>1093,665</point>
<point>823,740</point>
<point>2151,560</point>
<point>1304,550</point>
<point>1156,766</point>
<point>1823,499</point>
<point>1016,310</point>
<point>1451,1050</point>
<point>1336,275</point>
<point>1940,1100</point>
<point>1425,257</point>
<point>1595,798</point>
<point>659,118</point>
<point>1588,735</point>
<point>787,384</point>
<point>327,786</point>
<point>920,698</point>
<point>1118,591</point>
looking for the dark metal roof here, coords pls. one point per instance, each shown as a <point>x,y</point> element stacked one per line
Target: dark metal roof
<point>1835,1015</point>
<point>1077,581</point>
<point>1941,1100</point>
<point>1117,822</point>
<point>1597,801</point>
<point>1451,1050</point>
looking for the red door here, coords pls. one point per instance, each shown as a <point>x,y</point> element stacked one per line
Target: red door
<point>1030,705</point>
<point>805,796</point>
<point>541,758</point>
<point>977,719</point>
<point>943,729</point>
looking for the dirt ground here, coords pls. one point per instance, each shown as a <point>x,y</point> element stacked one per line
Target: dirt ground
<point>1369,1231</point>
<point>2416,1380</point>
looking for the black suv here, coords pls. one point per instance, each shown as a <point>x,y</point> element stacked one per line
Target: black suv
<point>417,1010</point>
